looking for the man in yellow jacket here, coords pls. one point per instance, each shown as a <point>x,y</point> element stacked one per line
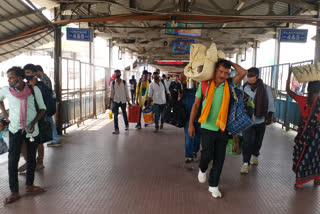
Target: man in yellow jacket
<point>215,97</point>
<point>142,94</point>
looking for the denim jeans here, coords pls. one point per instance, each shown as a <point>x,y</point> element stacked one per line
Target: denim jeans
<point>115,110</point>
<point>214,145</point>
<point>158,111</point>
<point>192,144</point>
<point>252,141</point>
<point>55,135</point>
<point>15,143</point>
<point>133,96</point>
<point>139,123</point>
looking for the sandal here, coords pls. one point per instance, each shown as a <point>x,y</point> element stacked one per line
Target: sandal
<point>298,186</point>
<point>22,168</point>
<point>35,189</point>
<point>39,167</point>
<point>316,182</point>
<point>12,198</point>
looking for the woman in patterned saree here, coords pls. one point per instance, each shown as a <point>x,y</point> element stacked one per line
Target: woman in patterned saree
<point>306,153</point>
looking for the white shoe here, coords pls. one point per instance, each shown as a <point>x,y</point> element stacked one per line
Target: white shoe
<point>254,160</point>
<point>202,177</point>
<point>244,168</point>
<point>215,192</point>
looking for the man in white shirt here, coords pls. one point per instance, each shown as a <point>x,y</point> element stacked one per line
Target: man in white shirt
<point>158,92</point>
<point>119,96</point>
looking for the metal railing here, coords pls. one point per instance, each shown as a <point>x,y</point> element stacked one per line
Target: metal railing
<point>83,91</point>
<point>287,110</point>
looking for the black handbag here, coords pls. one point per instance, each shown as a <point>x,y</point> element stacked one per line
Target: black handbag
<point>45,129</point>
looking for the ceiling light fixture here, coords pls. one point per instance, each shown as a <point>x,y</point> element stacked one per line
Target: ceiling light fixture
<point>239,5</point>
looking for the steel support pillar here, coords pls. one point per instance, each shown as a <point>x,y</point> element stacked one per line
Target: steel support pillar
<point>317,48</point>
<point>110,57</point>
<point>109,71</point>
<point>92,70</point>
<point>254,54</point>
<point>57,77</point>
<point>238,58</point>
<point>277,48</point>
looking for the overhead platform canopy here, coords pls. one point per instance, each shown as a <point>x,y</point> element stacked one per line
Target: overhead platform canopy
<point>147,28</point>
<point>18,28</point>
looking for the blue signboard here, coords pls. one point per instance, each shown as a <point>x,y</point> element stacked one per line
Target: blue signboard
<point>184,32</point>
<point>293,35</point>
<point>79,34</point>
<point>181,46</point>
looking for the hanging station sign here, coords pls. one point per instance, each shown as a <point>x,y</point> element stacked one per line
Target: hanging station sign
<point>79,34</point>
<point>293,35</point>
<point>182,46</point>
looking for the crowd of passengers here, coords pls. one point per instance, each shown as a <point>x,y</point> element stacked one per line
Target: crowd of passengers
<point>206,106</point>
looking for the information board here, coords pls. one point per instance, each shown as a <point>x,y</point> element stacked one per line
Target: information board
<point>79,34</point>
<point>293,35</point>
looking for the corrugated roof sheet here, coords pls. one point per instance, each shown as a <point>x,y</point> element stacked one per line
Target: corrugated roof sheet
<point>16,18</point>
<point>48,4</point>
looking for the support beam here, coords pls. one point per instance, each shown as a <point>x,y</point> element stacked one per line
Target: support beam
<point>168,9</point>
<point>251,6</point>
<point>216,6</point>
<point>39,13</point>
<point>57,77</point>
<point>168,51</point>
<point>254,54</point>
<point>109,71</point>
<point>277,48</point>
<point>212,34</point>
<point>91,62</point>
<point>298,3</point>
<point>157,5</point>
<point>133,4</point>
<point>204,10</point>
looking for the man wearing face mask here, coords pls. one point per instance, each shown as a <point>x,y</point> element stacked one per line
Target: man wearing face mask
<point>259,104</point>
<point>43,77</point>
<point>31,77</point>
<point>133,86</point>
<point>158,92</point>
<point>119,96</point>
<point>150,77</point>
<point>175,89</point>
<point>46,80</point>
<point>23,118</point>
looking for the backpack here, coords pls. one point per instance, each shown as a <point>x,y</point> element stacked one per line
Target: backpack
<point>45,129</point>
<point>204,87</point>
<point>165,88</point>
<point>48,98</point>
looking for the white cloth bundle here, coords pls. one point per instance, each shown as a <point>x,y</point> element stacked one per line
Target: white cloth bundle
<point>202,62</point>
